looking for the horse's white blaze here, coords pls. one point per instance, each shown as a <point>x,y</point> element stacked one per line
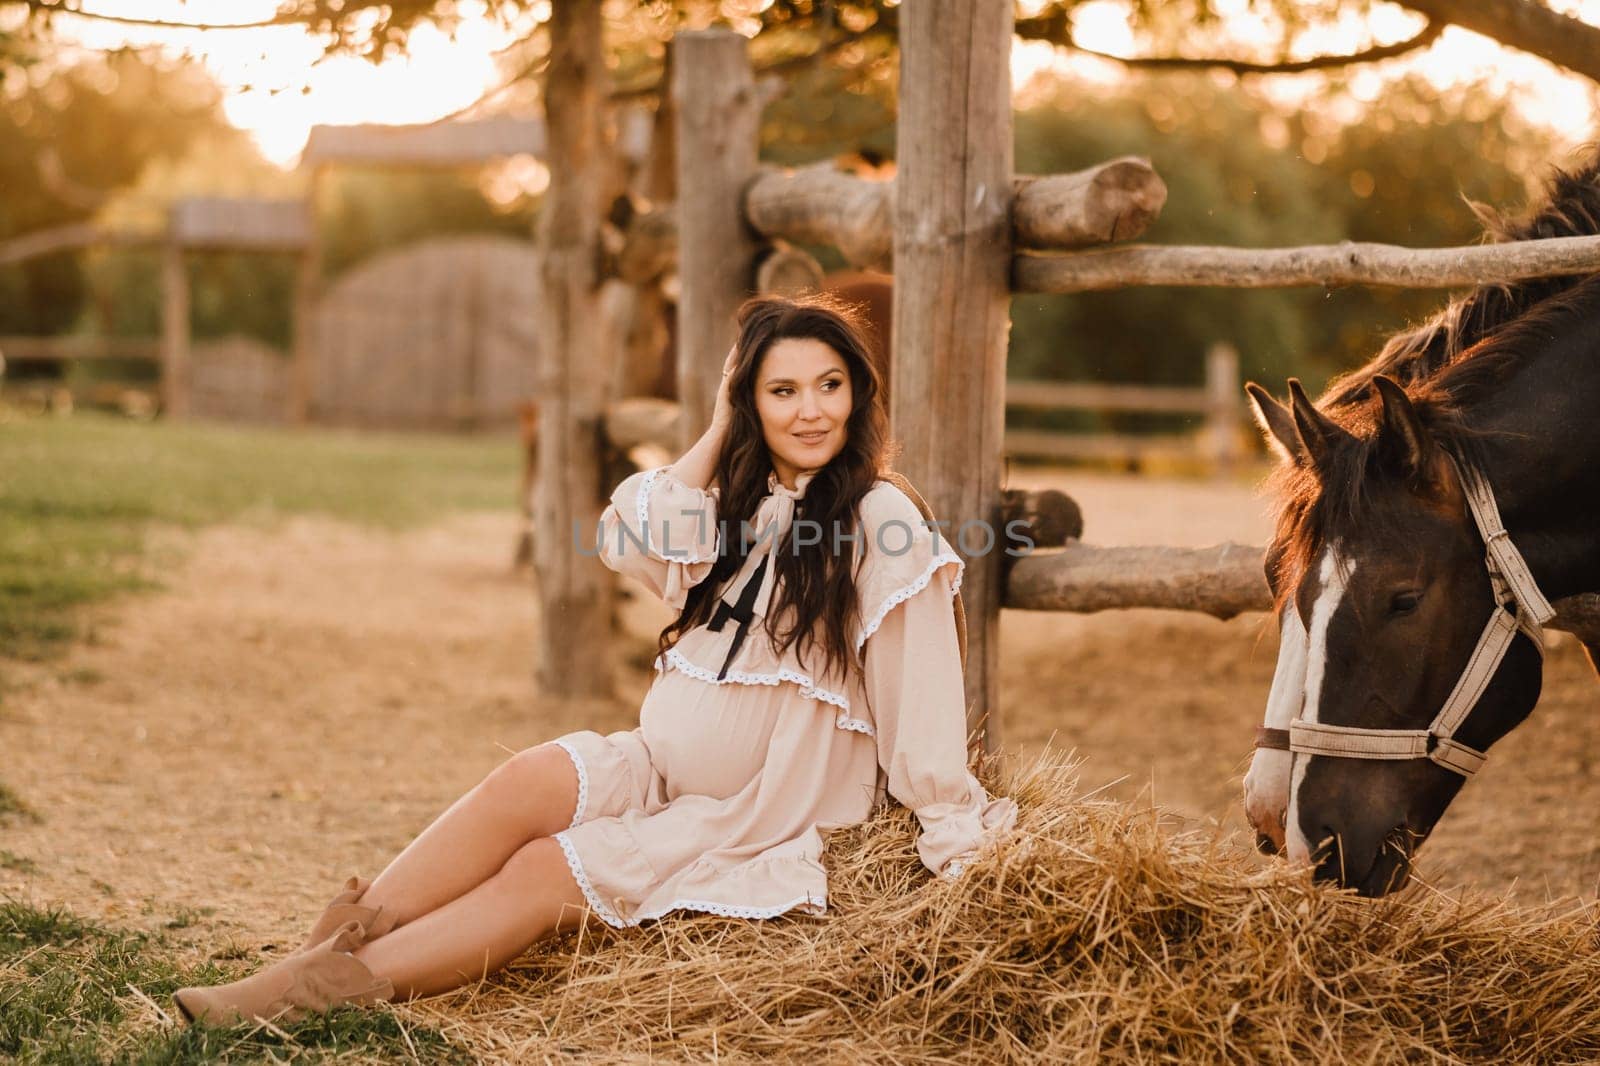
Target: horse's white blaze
<point>1266,785</point>
<point>1334,574</point>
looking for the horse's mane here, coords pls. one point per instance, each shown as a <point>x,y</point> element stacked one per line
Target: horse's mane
<point>1570,208</point>
<point>1459,355</point>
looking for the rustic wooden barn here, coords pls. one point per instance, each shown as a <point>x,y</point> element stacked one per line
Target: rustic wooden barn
<point>440,334</point>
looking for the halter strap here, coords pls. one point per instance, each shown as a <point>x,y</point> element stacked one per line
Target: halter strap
<point>1519,607</point>
<point>1508,570</point>
<point>1274,739</point>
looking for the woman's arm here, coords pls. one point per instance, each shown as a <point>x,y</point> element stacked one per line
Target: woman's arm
<point>661,526</point>
<point>912,671</point>
<point>698,465</point>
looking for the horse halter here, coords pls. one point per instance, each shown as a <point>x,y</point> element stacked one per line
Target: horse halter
<point>1518,606</point>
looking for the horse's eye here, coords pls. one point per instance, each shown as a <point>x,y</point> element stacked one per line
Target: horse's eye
<point>1404,602</point>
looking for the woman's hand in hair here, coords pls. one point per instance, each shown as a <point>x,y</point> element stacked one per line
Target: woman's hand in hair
<point>722,410</point>
<point>698,465</point>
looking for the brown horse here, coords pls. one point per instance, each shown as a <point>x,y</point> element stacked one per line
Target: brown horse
<point>1410,622</point>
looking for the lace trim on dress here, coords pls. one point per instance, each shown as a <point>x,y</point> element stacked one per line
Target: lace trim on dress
<point>956,867</point>
<point>808,689</point>
<point>643,502</point>
<point>642,509</point>
<point>806,903</point>
<point>902,595</point>
<point>609,915</point>
<point>583,783</point>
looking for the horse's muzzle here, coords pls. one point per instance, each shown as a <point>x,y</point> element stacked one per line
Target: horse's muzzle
<point>1373,869</point>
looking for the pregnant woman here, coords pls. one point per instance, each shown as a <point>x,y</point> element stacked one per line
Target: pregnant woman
<point>814,665</point>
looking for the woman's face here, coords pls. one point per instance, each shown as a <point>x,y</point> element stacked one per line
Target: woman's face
<point>803,398</point>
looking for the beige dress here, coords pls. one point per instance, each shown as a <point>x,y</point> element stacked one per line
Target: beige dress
<point>722,798</point>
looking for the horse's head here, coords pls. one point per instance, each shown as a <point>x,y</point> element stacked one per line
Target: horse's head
<point>1381,582</point>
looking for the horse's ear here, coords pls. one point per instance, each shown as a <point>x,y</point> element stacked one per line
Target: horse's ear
<point>1277,424</point>
<point>1402,427</point>
<point>1318,433</point>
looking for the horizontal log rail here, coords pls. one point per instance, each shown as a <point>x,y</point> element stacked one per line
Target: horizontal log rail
<point>819,204</point>
<point>1108,447</point>
<point>1054,214</point>
<point>1223,580</point>
<point>1346,263</point>
<point>65,348</point>
<point>74,237</point>
<point>1219,400</point>
<point>641,420</point>
<point>1100,397</point>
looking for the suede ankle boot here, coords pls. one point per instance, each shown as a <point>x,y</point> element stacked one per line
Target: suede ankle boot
<point>344,908</point>
<point>319,979</point>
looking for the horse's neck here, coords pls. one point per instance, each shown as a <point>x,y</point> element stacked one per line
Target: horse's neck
<point>1541,454</point>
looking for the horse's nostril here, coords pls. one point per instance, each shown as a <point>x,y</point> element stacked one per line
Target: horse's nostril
<point>1327,858</point>
<point>1265,844</point>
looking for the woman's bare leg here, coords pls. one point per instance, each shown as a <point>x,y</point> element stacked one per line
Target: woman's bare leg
<point>531,795</point>
<point>531,896</point>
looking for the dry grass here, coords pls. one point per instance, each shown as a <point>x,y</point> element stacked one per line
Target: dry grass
<point>1099,934</point>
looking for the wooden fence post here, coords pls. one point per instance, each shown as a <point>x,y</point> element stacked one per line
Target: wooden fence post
<point>952,259</point>
<point>1224,407</point>
<point>574,588</point>
<point>298,397</point>
<point>174,329</point>
<point>718,125</point>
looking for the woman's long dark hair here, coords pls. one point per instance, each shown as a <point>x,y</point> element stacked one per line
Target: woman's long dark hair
<point>816,580</point>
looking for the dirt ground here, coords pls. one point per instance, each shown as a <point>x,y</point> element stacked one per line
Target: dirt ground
<point>300,701</point>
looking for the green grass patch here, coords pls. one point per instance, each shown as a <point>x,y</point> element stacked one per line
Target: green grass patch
<point>188,916</point>
<point>11,806</point>
<point>21,864</point>
<point>74,992</point>
<point>80,494</point>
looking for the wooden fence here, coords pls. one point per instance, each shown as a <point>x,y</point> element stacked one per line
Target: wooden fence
<point>1220,402</point>
<point>962,233</point>
<point>72,348</point>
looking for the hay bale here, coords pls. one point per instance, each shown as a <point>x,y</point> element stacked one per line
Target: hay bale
<point>1100,932</point>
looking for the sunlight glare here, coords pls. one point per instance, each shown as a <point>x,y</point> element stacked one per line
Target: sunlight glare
<point>276,83</point>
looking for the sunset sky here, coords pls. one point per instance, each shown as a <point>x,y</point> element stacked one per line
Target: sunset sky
<point>276,88</point>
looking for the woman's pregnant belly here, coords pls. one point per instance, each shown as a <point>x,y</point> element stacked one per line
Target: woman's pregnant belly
<point>705,739</point>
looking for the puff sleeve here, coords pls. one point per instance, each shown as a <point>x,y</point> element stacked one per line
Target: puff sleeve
<point>661,532</point>
<point>912,673</point>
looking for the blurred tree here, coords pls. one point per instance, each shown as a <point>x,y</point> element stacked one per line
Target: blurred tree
<point>71,138</point>
<point>1180,33</point>
<point>1407,173</point>
<point>1194,33</point>
<point>117,138</point>
<point>1226,186</point>
<point>368,211</point>
<point>230,292</point>
<point>1242,171</point>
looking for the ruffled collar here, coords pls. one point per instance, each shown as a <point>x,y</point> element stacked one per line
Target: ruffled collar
<point>777,488</point>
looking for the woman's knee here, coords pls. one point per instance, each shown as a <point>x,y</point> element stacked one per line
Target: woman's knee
<point>538,874</point>
<point>538,784</point>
